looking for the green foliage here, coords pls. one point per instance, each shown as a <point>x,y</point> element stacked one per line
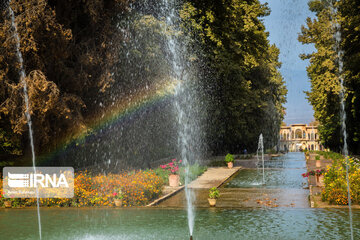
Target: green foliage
<point>270,151</point>
<point>6,163</point>
<point>118,194</point>
<point>335,182</point>
<point>329,155</point>
<point>195,170</point>
<point>317,157</point>
<point>163,173</point>
<point>323,70</point>
<point>9,142</point>
<point>247,89</point>
<point>229,158</point>
<point>228,41</point>
<point>214,193</point>
<point>317,172</point>
<point>71,60</point>
<point>350,20</point>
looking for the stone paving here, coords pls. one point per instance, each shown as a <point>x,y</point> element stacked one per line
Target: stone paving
<point>213,177</point>
<point>167,193</point>
<point>243,198</point>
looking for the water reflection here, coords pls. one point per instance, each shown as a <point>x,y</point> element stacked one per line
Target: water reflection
<point>172,224</point>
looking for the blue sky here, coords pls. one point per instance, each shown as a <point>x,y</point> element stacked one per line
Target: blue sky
<point>284,25</point>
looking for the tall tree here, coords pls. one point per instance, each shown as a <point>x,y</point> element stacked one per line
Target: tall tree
<point>350,22</point>
<point>323,70</point>
<point>247,88</point>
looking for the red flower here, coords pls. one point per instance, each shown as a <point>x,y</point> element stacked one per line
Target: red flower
<point>172,167</point>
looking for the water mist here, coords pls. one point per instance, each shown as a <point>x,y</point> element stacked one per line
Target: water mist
<point>261,149</point>
<point>337,36</point>
<point>184,99</point>
<point>27,106</point>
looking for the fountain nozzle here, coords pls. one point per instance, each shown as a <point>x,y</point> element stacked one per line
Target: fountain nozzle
<point>191,238</point>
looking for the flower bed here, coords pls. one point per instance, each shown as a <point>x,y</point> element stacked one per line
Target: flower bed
<point>335,191</point>
<point>138,188</point>
<point>328,155</point>
<point>317,172</point>
<point>195,170</point>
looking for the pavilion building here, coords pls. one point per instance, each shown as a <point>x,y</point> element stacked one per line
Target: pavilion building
<point>298,137</point>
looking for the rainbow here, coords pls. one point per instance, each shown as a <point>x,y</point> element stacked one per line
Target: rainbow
<point>141,99</point>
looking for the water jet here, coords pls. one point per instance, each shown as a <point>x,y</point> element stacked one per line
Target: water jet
<point>27,107</point>
<point>261,149</point>
<point>345,151</point>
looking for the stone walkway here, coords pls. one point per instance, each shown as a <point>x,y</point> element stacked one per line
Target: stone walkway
<point>168,192</point>
<point>213,177</point>
<point>243,198</point>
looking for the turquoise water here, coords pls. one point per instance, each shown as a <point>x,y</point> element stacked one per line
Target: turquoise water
<point>136,224</point>
<point>280,172</point>
<point>274,178</point>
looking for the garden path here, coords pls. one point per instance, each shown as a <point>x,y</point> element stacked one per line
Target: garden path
<point>213,177</point>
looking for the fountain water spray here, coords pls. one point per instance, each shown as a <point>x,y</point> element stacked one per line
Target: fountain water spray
<point>183,99</point>
<point>261,148</point>
<point>340,53</point>
<point>27,111</point>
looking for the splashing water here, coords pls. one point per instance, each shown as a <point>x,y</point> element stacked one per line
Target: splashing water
<point>261,149</point>
<point>184,101</point>
<point>340,53</point>
<point>26,99</point>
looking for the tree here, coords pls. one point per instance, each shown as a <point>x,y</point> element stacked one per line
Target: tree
<point>246,87</point>
<point>350,20</point>
<point>323,70</point>
<point>83,58</point>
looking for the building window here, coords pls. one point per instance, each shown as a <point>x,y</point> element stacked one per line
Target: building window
<point>298,133</point>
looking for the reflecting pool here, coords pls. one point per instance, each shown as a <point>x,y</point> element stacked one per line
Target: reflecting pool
<point>242,212</point>
<point>274,223</point>
<point>280,172</point>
